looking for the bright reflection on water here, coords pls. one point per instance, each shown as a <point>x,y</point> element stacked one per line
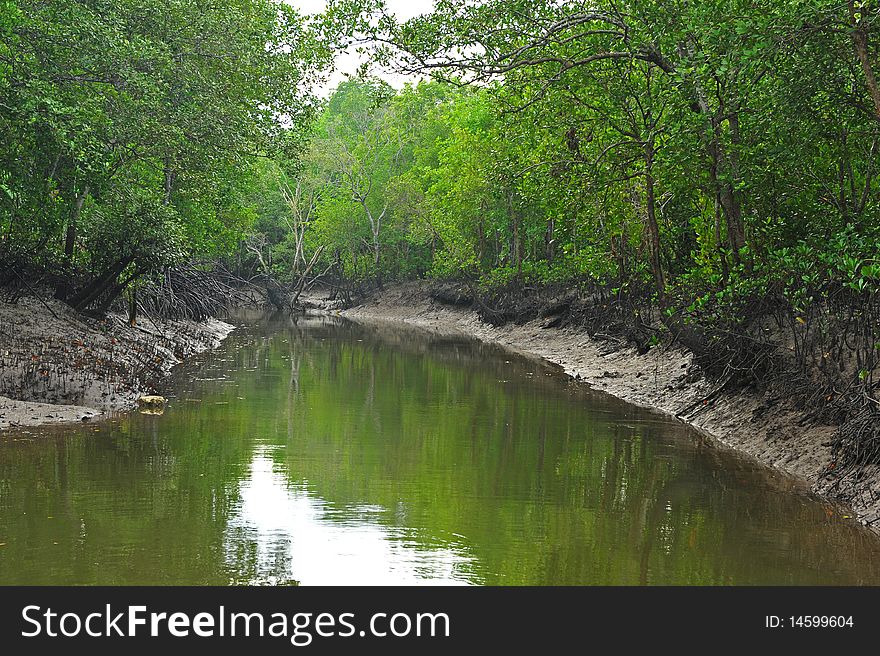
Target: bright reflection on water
<point>321,451</point>
<point>298,536</point>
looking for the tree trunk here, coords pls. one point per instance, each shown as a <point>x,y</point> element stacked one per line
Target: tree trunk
<point>132,307</point>
<point>516,246</point>
<point>735,230</point>
<point>375,230</point>
<point>114,291</point>
<point>302,280</point>
<point>70,237</point>
<point>719,240</point>
<point>860,43</point>
<point>842,200</point>
<point>724,191</point>
<point>101,284</point>
<point>62,291</point>
<point>651,215</point>
<point>169,181</point>
<point>481,235</point>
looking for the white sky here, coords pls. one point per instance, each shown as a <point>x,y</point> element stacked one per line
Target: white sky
<point>348,62</point>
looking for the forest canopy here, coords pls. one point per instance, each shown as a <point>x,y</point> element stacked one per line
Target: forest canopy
<point>703,172</point>
<point>130,130</point>
<point>692,145</point>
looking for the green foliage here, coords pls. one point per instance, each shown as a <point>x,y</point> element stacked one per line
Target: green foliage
<point>131,127</point>
<point>711,149</point>
<point>720,151</point>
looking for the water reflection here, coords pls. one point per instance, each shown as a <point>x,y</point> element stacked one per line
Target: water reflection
<point>321,451</point>
<point>297,537</point>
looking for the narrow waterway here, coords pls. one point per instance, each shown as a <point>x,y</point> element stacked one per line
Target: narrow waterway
<point>321,451</point>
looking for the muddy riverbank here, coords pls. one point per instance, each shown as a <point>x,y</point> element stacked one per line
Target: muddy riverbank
<point>57,365</point>
<point>767,429</point>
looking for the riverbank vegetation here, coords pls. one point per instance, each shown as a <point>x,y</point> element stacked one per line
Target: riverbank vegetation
<point>696,173</point>
<point>130,132</point>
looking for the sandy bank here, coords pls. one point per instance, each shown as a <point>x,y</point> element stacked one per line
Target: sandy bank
<point>56,365</point>
<point>766,429</point>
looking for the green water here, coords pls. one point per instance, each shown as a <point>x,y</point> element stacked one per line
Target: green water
<point>324,452</point>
